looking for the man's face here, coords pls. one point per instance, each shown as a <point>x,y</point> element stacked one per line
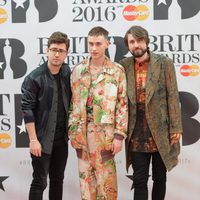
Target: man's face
<point>97,46</point>
<point>137,47</point>
<point>56,54</point>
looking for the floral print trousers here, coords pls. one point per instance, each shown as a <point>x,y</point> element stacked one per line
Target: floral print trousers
<point>97,174</point>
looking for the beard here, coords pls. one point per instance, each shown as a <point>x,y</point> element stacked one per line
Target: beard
<point>138,52</point>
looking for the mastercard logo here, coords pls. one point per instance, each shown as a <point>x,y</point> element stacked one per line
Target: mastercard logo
<point>5,140</point>
<point>140,12</point>
<point>190,70</point>
<point>3,16</point>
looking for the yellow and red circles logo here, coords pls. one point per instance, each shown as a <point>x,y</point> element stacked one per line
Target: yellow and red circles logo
<point>3,16</point>
<point>5,140</point>
<point>190,70</point>
<point>131,13</point>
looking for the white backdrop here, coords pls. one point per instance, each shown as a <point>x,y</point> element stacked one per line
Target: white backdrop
<point>25,26</point>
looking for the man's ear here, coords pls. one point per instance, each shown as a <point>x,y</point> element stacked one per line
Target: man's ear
<point>107,43</point>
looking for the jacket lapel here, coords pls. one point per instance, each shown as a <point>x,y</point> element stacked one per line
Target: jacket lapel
<point>131,80</point>
<point>108,68</point>
<point>152,77</point>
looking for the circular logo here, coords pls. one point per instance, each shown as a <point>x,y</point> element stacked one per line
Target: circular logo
<point>3,16</point>
<point>143,12</point>
<point>130,13</point>
<point>5,140</point>
<point>140,12</point>
<point>195,70</point>
<point>187,70</point>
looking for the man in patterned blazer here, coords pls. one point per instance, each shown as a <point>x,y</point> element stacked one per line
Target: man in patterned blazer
<point>155,125</point>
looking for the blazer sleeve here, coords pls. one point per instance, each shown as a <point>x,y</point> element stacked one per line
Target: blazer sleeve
<point>121,114</point>
<point>75,133</point>
<point>29,91</point>
<point>175,124</point>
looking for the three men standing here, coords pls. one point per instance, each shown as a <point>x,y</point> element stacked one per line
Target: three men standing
<point>100,115</point>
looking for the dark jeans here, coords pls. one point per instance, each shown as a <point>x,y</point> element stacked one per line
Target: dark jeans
<point>140,164</point>
<point>54,165</point>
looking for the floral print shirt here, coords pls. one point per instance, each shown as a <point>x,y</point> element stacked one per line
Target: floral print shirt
<point>109,101</point>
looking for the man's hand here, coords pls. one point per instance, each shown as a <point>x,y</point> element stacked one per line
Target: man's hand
<point>174,138</point>
<point>116,146</point>
<point>35,148</point>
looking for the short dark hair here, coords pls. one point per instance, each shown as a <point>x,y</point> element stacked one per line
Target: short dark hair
<point>97,31</point>
<point>138,32</point>
<point>58,37</point>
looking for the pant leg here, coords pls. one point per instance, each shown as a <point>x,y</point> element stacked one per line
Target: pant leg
<point>57,167</point>
<point>159,177</point>
<point>40,171</point>
<point>103,162</point>
<point>106,180</point>
<point>87,179</point>
<point>140,165</point>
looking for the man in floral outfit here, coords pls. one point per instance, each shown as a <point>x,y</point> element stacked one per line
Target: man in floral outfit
<point>98,121</point>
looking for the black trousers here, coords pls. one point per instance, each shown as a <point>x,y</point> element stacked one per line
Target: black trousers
<point>140,165</point>
<point>52,165</point>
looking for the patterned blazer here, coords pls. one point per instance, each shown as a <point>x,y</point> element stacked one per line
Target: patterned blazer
<point>110,107</point>
<point>161,106</point>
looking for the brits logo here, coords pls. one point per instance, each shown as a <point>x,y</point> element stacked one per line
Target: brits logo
<point>12,65</point>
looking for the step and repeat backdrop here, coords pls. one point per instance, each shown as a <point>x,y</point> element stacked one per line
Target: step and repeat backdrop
<point>25,26</point>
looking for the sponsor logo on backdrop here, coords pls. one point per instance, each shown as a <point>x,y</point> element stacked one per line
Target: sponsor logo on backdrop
<point>12,66</point>
<point>190,70</point>
<point>28,11</point>
<point>140,12</point>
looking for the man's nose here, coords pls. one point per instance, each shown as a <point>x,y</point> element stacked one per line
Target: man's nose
<point>57,53</point>
<point>136,44</point>
<point>94,47</point>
